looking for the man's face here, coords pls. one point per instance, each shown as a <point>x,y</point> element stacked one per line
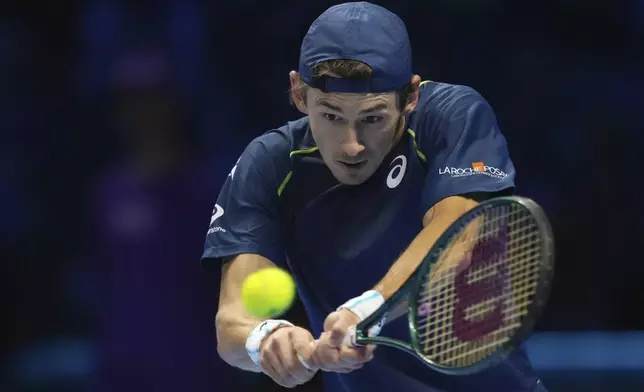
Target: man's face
<point>354,132</point>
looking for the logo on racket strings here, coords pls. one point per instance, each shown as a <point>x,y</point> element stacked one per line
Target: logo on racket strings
<point>469,293</point>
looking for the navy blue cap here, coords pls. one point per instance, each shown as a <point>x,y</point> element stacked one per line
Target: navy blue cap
<point>362,32</point>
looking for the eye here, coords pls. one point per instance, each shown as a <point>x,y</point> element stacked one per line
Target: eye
<point>331,117</point>
<point>372,119</point>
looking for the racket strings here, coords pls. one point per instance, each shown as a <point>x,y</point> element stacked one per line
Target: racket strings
<point>466,315</point>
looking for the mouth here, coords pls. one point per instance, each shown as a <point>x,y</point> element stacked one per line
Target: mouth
<point>353,166</point>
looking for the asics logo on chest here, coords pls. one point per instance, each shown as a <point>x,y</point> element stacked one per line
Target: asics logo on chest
<point>397,172</point>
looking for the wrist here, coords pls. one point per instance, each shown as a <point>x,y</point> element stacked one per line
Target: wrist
<point>259,334</point>
<point>365,305</point>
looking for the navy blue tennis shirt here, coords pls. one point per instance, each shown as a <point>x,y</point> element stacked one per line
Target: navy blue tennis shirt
<point>282,202</point>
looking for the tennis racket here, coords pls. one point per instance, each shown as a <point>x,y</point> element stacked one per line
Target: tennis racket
<point>478,292</point>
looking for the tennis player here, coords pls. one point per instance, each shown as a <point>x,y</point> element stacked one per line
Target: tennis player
<point>350,198</point>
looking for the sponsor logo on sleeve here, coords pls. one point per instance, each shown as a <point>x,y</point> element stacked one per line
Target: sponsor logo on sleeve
<point>232,172</point>
<point>217,213</point>
<point>478,168</point>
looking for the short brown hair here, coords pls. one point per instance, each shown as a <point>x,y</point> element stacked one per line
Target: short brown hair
<point>350,70</point>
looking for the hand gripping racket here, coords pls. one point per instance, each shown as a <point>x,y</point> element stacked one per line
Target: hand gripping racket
<point>478,292</point>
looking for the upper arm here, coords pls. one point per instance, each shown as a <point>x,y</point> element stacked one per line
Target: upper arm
<point>466,152</point>
<point>245,219</point>
<point>455,206</point>
<point>450,208</point>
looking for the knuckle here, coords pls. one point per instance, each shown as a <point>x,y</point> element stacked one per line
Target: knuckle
<point>274,343</point>
<point>264,359</point>
<point>280,332</point>
<point>293,367</point>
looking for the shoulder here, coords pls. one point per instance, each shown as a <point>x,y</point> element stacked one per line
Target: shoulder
<point>440,101</point>
<point>441,105</point>
<point>267,158</point>
<point>277,144</point>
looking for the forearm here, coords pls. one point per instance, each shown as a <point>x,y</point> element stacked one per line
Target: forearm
<point>436,221</point>
<point>407,263</point>
<point>233,323</point>
<point>232,332</point>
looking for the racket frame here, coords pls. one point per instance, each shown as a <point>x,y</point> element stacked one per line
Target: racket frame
<point>412,285</point>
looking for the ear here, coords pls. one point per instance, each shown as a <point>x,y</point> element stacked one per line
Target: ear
<point>297,92</point>
<point>412,99</point>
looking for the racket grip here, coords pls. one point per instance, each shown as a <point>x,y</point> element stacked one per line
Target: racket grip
<point>350,337</point>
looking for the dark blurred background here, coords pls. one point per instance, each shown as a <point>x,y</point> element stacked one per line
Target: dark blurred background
<point>121,119</point>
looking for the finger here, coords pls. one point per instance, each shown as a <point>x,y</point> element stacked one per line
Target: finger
<point>348,368</point>
<point>284,359</point>
<point>336,336</point>
<point>324,354</point>
<point>355,355</point>
<point>307,363</point>
<point>304,352</point>
<point>330,320</point>
<point>272,367</point>
<point>365,351</point>
<point>326,357</point>
<point>304,346</point>
<point>291,363</point>
<point>340,329</point>
<point>329,358</point>
<point>341,367</point>
<point>296,371</point>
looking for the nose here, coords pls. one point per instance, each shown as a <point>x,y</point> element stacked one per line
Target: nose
<point>352,146</point>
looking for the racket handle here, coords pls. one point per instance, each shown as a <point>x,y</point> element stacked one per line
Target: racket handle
<point>350,337</point>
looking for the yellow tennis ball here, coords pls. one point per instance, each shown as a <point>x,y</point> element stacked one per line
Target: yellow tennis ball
<point>268,293</point>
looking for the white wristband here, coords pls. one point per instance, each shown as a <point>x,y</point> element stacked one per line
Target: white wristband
<point>364,305</point>
<point>257,335</point>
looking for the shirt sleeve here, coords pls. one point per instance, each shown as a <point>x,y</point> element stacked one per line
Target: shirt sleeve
<point>466,151</point>
<point>245,218</point>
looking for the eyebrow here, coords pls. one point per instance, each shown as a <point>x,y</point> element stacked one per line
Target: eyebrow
<point>379,106</point>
